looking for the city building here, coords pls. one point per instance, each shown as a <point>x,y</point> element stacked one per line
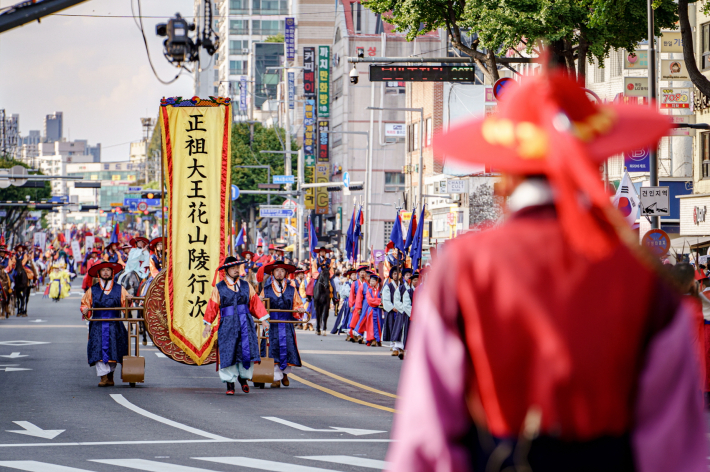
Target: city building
<point>53,127</point>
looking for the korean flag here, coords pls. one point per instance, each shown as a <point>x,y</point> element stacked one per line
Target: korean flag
<point>627,199</point>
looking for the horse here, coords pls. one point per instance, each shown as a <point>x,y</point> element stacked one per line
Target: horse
<point>5,295</point>
<point>321,301</point>
<point>131,281</point>
<point>22,290</point>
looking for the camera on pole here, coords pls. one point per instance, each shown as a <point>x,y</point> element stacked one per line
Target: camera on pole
<point>179,47</point>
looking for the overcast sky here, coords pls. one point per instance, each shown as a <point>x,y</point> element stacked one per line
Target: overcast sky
<point>93,69</point>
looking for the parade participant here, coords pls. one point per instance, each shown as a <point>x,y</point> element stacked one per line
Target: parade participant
<point>156,257</point>
<point>92,261</point>
<point>389,293</point>
<point>372,311</point>
<point>139,256</point>
<point>259,252</point>
<point>343,320</point>
<point>512,366</point>
<point>282,336</point>
<point>71,267</point>
<point>403,303</point>
<point>59,283</point>
<point>111,255</point>
<point>357,295</point>
<point>108,341</point>
<point>232,305</point>
<point>248,257</point>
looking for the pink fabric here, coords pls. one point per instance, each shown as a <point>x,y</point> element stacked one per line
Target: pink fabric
<point>670,431</point>
<point>432,414</point>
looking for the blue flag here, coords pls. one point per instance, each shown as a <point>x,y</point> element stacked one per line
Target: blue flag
<point>240,237</point>
<point>356,233</point>
<point>396,234</point>
<point>349,238</point>
<point>312,238</point>
<point>418,243</point>
<point>411,230</point>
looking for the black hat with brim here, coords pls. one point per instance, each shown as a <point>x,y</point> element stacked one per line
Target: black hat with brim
<point>231,261</point>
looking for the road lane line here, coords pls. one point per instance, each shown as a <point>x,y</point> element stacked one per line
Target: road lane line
<point>160,354</point>
<point>193,441</point>
<point>149,466</point>
<point>34,466</point>
<point>123,402</point>
<point>262,464</point>
<point>340,395</point>
<point>42,326</point>
<point>346,353</point>
<point>348,381</point>
<point>349,460</point>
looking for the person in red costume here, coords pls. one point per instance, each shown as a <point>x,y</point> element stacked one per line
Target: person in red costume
<point>93,260</point>
<point>552,342</point>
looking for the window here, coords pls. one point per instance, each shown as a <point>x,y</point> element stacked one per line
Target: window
<point>598,72</point>
<point>267,27</point>
<point>238,46</point>
<point>388,231</point>
<point>705,155</point>
<point>338,87</point>
<point>238,26</point>
<point>705,46</point>
<point>269,7</point>
<point>616,63</point>
<point>338,36</point>
<point>336,139</point>
<point>429,131</point>
<point>394,182</point>
<point>356,12</point>
<point>238,7</point>
<point>238,67</point>
<point>415,136</point>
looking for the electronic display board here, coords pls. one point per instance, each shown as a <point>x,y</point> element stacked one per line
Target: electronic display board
<point>422,73</point>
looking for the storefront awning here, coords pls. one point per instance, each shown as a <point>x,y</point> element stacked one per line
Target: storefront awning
<point>686,243</point>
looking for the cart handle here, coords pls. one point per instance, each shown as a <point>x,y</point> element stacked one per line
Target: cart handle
<point>130,308</point>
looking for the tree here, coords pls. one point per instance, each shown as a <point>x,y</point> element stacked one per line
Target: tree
<point>686,31</point>
<point>572,29</point>
<point>279,38</point>
<point>484,208</point>
<point>16,215</point>
<point>244,153</point>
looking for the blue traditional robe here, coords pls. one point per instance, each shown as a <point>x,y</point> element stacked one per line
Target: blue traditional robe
<point>108,340</point>
<point>282,336</point>
<point>390,316</point>
<point>236,335</point>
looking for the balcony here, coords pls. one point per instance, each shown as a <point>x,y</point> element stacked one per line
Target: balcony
<point>278,11</point>
<point>239,31</point>
<point>266,31</point>
<point>238,11</point>
<point>238,72</point>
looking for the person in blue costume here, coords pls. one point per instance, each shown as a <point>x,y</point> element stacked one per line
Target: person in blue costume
<point>389,307</point>
<point>232,305</point>
<point>111,254</point>
<point>343,320</point>
<point>282,336</point>
<point>108,340</point>
<point>403,304</point>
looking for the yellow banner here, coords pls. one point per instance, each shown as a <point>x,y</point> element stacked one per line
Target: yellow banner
<point>322,202</point>
<point>196,152</point>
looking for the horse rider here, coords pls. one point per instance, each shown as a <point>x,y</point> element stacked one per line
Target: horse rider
<point>141,255</point>
<point>156,257</point>
<point>282,336</point>
<point>108,341</point>
<point>231,306</point>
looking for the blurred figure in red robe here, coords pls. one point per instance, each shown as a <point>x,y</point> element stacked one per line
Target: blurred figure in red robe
<point>550,343</point>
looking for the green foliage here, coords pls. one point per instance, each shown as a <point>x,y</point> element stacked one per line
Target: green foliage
<point>265,139</point>
<point>279,38</point>
<point>601,25</point>
<point>16,215</point>
<point>153,185</point>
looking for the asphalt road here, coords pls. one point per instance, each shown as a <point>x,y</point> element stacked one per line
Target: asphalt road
<point>181,415</point>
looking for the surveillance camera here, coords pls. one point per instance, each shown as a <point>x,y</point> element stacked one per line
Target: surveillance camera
<point>354,76</point>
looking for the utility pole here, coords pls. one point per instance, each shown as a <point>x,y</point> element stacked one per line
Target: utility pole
<point>287,124</point>
<point>252,91</point>
<point>147,124</point>
<point>299,208</point>
<point>653,157</point>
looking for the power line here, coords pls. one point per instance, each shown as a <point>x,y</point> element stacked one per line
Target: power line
<point>145,42</point>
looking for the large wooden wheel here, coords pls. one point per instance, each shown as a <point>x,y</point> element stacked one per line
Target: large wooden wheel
<point>156,322</point>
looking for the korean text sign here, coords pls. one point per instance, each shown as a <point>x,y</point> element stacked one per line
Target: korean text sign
<point>196,151</point>
<point>323,81</point>
<point>309,72</point>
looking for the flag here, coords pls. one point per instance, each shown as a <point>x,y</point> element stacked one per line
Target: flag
<point>356,234</point>
<point>291,229</point>
<point>349,238</point>
<point>418,242</point>
<point>259,239</point>
<point>396,234</point>
<point>411,230</point>
<point>114,234</point>
<point>241,238</point>
<point>2,239</point>
<point>627,199</point>
<point>312,238</point>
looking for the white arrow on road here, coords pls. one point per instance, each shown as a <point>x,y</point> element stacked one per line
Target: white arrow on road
<point>11,367</point>
<point>14,355</point>
<point>32,430</point>
<point>300,427</point>
<point>21,343</point>
<point>38,321</point>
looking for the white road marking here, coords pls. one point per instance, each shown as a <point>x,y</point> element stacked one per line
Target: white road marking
<point>33,430</point>
<point>38,321</point>
<point>160,354</point>
<point>262,464</point>
<point>123,402</point>
<point>149,466</point>
<point>11,367</point>
<point>193,441</point>
<point>34,466</point>
<point>21,343</point>
<point>350,460</point>
<point>334,429</point>
<point>14,355</point>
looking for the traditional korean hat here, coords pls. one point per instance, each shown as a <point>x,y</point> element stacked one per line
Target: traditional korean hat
<point>96,251</point>
<point>157,240</point>
<point>230,261</point>
<point>134,241</point>
<point>700,275</point>
<point>323,248</point>
<point>548,126</point>
<point>363,267</point>
<point>269,269</point>
<point>350,272</point>
<point>415,275</point>
<point>245,253</point>
<point>406,270</point>
<point>127,246</point>
<point>392,270</point>
<point>24,248</point>
<point>375,276</point>
<point>271,246</point>
<point>94,271</point>
<point>390,246</point>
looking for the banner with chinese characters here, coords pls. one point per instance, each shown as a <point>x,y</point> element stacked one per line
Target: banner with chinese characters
<point>196,152</point>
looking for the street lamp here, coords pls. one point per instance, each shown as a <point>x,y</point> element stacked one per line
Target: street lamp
<point>421,144</point>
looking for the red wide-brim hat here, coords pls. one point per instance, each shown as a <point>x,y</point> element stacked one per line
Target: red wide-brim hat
<point>548,126</point>
<point>290,268</point>
<point>247,253</point>
<point>156,241</point>
<point>134,241</point>
<point>94,271</point>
